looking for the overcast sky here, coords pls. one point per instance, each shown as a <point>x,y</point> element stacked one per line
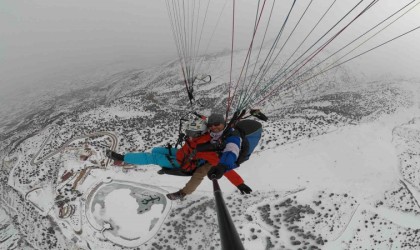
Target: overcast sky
<point>48,40</point>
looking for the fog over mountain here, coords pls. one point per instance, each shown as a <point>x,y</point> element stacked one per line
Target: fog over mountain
<point>46,42</point>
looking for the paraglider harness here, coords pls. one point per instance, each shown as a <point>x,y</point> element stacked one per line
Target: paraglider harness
<point>248,130</point>
<point>182,138</point>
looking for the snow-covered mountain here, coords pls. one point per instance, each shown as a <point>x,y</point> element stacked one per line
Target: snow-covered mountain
<point>337,167</point>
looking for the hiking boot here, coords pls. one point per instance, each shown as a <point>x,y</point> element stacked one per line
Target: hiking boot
<point>114,156</point>
<point>179,195</point>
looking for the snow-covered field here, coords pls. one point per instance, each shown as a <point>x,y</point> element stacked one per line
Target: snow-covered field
<point>337,168</point>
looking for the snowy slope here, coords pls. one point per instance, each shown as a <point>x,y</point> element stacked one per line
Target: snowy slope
<point>337,168</point>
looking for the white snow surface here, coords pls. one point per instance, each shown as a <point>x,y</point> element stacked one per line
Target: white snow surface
<point>121,208</point>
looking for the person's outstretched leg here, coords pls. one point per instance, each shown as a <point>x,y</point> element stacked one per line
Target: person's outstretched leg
<point>164,151</point>
<point>196,179</point>
<point>149,158</point>
<point>192,184</point>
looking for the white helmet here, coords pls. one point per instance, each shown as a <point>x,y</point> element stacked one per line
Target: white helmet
<point>196,128</point>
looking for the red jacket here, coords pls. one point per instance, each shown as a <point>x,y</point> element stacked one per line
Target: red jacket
<point>234,177</point>
<point>187,158</point>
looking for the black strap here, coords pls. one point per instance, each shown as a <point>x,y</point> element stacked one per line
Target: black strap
<point>169,147</point>
<point>177,172</point>
<point>171,160</point>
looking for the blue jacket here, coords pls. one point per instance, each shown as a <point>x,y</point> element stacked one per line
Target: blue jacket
<point>231,150</point>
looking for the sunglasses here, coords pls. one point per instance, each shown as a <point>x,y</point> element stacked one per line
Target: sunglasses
<point>214,124</point>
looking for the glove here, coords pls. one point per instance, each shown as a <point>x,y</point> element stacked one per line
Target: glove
<point>216,172</point>
<point>244,189</point>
